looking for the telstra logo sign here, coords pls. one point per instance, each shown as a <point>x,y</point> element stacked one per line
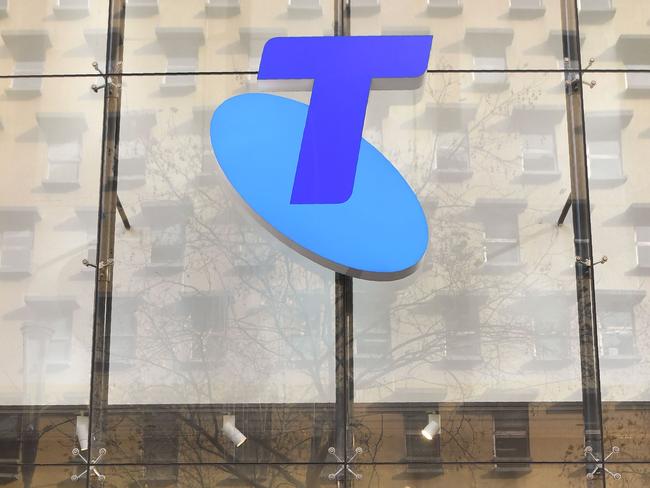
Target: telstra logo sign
<point>306,172</point>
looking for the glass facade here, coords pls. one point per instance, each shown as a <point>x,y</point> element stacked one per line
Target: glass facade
<point>155,334</point>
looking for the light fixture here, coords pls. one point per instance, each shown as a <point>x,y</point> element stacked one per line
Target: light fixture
<point>82,432</point>
<point>232,432</point>
<point>433,427</point>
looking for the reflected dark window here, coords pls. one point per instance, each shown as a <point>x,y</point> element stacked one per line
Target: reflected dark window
<point>422,455</point>
<point>160,446</point>
<point>511,440</point>
<point>9,447</point>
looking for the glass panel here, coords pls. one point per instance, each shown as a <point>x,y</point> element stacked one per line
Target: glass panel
<point>214,320</point>
<point>260,475</point>
<point>46,229</point>
<point>485,333</point>
<point>615,34</point>
<point>53,37</point>
<point>621,218</point>
<point>27,476</point>
<point>473,476</point>
<point>631,475</point>
<point>213,35</point>
<point>472,34</point>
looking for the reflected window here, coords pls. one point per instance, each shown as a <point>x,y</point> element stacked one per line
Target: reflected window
<point>452,152</point>
<point>594,5</point>
<point>253,40</point>
<point>435,4</point>
<point>72,5</point>
<point>160,446</point>
<point>538,153</point>
<point>132,161</point>
<point>374,344</point>
<point>643,247</point>
<point>638,80</point>
<point>617,333</point>
<point>9,447</point>
<point>124,326</point>
<point>168,245</point>
<point>526,4</point>
<point>305,4</point>
<point>364,4</point>
<point>462,332</point>
<point>604,159</point>
<point>207,316</point>
<point>551,342</point>
<point>511,440</point>
<point>3,7</point>
<point>418,448</point>
<point>27,86</point>
<point>148,6</point>
<point>28,48</point>
<point>16,251</point>
<point>17,239</point>
<point>501,241</point>
<point>59,349</point>
<point>63,160</point>
<point>63,134</point>
<point>495,78</point>
<point>181,46</point>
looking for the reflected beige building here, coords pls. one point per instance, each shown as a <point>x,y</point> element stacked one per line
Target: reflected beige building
<point>212,316</point>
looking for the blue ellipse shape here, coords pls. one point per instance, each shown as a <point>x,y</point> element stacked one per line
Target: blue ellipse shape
<point>379,233</point>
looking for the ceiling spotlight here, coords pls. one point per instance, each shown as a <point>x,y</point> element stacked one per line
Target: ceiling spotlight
<point>433,427</point>
<point>232,432</point>
<point>81,429</point>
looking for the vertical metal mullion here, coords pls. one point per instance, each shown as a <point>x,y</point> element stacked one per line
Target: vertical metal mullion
<point>589,365</point>
<point>106,229</point>
<point>343,312</point>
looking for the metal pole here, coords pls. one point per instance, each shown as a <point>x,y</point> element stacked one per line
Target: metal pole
<point>591,401</point>
<point>106,228</point>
